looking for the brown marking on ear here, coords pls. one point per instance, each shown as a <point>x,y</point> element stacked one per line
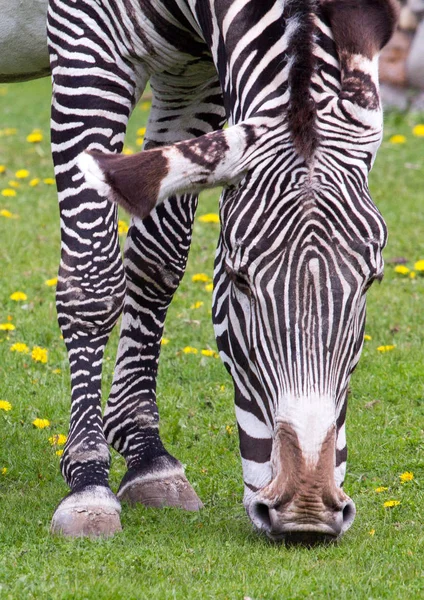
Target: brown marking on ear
<point>134,180</point>
<point>361,26</point>
<point>308,489</point>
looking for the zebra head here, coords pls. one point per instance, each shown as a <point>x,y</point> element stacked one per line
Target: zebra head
<point>300,245</point>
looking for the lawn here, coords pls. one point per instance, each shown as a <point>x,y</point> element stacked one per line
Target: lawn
<point>166,554</point>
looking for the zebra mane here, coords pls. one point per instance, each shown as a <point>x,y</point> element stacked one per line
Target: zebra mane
<point>302,110</point>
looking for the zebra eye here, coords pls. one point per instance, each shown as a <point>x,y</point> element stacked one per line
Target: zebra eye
<point>240,280</point>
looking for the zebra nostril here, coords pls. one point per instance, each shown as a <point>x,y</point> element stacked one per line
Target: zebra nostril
<point>348,514</point>
<point>261,517</point>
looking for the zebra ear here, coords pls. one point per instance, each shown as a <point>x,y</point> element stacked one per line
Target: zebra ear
<point>138,182</point>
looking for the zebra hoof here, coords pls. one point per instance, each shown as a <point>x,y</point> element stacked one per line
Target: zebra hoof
<point>93,512</point>
<point>159,490</point>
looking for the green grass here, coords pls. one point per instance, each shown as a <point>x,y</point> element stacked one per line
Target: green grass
<point>170,554</point>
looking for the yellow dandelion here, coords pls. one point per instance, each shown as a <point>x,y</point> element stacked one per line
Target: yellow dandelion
<point>2,169</point>
<point>391,503</point>
<point>34,137</point>
<point>10,131</point>
<point>57,371</point>
<point>141,131</point>
<point>209,287</point>
<point>39,354</point>
<point>407,476</point>
<point>5,405</point>
<point>222,388</point>
<point>8,193</point>
<point>4,471</point>
<point>13,184</point>
<point>371,532</point>
<point>381,489</point>
<point>197,304</point>
<point>229,429</point>
<point>18,296</point>
<point>49,180</point>
<point>7,327</point>
<point>412,275</point>
<point>41,423</point>
<point>19,347</point>
<point>209,218</point>
<point>34,181</point>
<point>59,452</point>
<point>367,338</point>
<point>127,151</point>
<point>418,130</point>
<point>164,341</point>
<point>202,277</point>
<point>397,139</point>
<point>190,350</point>
<point>122,227</point>
<point>139,141</point>
<point>387,348</point>
<point>419,265</point>
<point>402,270</point>
<point>58,439</point>
<point>145,106</point>
<point>208,352</point>
<point>22,174</point>
<point>51,282</point>
<point>7,214</point>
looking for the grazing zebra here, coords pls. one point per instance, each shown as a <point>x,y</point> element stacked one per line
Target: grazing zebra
<point>300,239</point>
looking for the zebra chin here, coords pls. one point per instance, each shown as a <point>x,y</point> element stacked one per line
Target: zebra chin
<point>302,503</point>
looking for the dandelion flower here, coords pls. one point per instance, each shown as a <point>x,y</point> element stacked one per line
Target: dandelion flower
<point>391,503</point>
<point>122,227</point>
<point>222,388</point>
<point>22,174</point>
<point>127,151</point>
<point>7,327</point>
<point>8,193</point>
<point>39,354</point>
<point>4,471</point>
<point>139,141</point>
<point>190,350</point>
<point>2,169</point>
<point>367,338</point>
<point>229,429</point>
<point>57,371</point>
<point>381,489</point>
<point>58,439</point>
<point>10,131</point>
<point>209,287</point>
<point>402,270</point>
<point>49,181</point>
<point>51,282</point>
<point>197,304</point>
<point>18,296</point>
<point>41,423</point>
<point>397,139</point>
<point>387,348</point>
<point>7,214</point>
<point>59,452</point>
<point>164,341</point>
<point>34,182</point>
<point>5,405</point>
<point>141,131</point>
<point>412,275</point>
<point>419,265</point>
<point>202,277</point>
<point>407,476</point>
<point>34,137</point>
<point>210,353</point>
<point>19,347</point>
<point>145,106</point>
<point>371,532</point>
<point>418,130</point>
<point>209,218</point>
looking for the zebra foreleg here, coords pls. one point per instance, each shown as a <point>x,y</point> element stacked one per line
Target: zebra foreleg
<point>93,95</point>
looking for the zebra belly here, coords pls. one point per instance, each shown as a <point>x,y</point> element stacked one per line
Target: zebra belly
<point>23,40</point>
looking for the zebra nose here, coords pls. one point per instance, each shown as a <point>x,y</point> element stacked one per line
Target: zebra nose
<point>297,528</point>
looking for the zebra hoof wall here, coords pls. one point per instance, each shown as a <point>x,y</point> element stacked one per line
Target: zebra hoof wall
<point>93,512</point>
<point>158,493</point>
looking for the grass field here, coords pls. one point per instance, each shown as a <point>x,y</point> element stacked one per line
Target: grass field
<point>214,554</point>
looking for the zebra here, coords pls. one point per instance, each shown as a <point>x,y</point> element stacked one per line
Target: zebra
<point>300,242</point>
